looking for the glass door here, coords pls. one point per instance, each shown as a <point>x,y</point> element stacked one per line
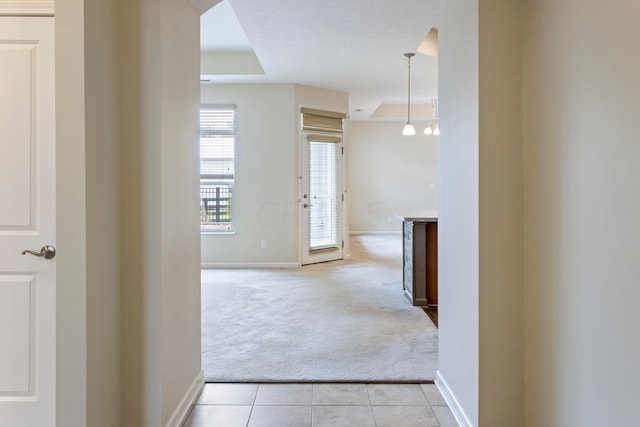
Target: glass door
<point>322,198</point>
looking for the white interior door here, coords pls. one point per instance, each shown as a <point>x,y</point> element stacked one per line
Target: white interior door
<point>27,221</point>
<point>322,197</point>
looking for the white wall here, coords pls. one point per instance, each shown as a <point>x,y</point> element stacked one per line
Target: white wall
<point>389,173</point>
<point>266,171</point>
<point>582,207</point>
<point>265,198</point>
<point>458,204</point>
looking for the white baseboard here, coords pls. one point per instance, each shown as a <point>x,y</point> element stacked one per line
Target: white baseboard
<point>205,265</point>
<point>182,411</point>
<point>452,402</point>
<point>375,233</point>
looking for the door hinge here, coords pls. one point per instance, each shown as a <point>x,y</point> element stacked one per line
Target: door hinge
<point>342,150</point>
<point>343,197</point>
<point>343,243</point>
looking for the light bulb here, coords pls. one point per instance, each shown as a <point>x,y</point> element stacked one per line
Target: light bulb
<point>436,132</point>
<point>408,130</point>
<point>428,130</point>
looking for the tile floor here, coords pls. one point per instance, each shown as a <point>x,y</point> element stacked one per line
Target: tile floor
<point>320,405</point>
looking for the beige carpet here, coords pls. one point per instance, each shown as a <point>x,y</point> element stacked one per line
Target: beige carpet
<point>340,321</point>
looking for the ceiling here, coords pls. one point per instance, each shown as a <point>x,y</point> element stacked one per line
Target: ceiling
<point>354,46</point>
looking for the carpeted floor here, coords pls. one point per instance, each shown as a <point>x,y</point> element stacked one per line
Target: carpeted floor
<point>340,321</point>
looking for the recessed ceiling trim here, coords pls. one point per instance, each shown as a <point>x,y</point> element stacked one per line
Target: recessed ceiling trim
<point>343,46</point>
<point>229,63</point>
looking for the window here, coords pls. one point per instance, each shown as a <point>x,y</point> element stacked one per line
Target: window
<point>217,149</point>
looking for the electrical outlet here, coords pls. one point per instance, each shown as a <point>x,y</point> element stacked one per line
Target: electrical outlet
<point>432,186</point>
<point>263,244</point>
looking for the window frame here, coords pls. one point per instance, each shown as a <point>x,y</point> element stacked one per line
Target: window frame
<point>220,227</point>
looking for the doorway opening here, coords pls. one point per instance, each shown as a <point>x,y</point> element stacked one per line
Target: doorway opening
<point>290,209</point>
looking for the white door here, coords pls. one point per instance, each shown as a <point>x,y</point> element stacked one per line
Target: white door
<point>322,197</point>
<point>27,222</point>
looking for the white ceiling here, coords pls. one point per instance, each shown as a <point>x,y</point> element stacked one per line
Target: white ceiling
<point>355,46</point>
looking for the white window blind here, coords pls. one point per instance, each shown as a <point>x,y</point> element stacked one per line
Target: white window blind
<point>324,193</point>
<point>217,166</point>
<point>217,140</point>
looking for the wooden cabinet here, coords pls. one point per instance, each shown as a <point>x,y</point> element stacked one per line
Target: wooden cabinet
<point>420,261</point>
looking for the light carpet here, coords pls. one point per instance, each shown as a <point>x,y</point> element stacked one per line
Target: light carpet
<point>339,321</point>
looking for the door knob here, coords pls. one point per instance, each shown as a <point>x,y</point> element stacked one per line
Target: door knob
<point>47,252</point>
<point>306,205</point>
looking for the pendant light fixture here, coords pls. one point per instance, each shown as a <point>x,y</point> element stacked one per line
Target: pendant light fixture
<point>408,128</point>
<point>433,127</point>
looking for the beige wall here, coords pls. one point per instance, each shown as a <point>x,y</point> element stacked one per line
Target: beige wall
<point>71,226</point>
<point>481,210</point>
<point>180,178</point>
<point>128,325</point>
<point>581,213</point>
<point>389,173</point>
<point>160,241</point>
<point>140,97</point>
<point>562,349</point>
<point>102,215</point>
<point>331,100</point>
<point>266,184</point>
<point>501,245</point>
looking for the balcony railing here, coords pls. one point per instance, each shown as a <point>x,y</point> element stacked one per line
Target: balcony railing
<point>215,206</point>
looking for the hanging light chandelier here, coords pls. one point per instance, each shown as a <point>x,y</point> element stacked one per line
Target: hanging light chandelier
<point>433,128</point>
<point>408,128</point>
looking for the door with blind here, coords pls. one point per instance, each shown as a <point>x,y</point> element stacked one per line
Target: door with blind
<point>322,198</point>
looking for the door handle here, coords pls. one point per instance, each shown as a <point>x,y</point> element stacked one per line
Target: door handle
<point>306,205</point>
<point>47,252</point>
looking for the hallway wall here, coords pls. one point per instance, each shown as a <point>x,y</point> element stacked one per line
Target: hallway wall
<point>458,205</point>
<point>102,215</point>
<point>71,220</point>
<point>560,349</point>
<point>480,251</point>
<point>160,292</point>
<point>128,275</point>
<point>582,207</point>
